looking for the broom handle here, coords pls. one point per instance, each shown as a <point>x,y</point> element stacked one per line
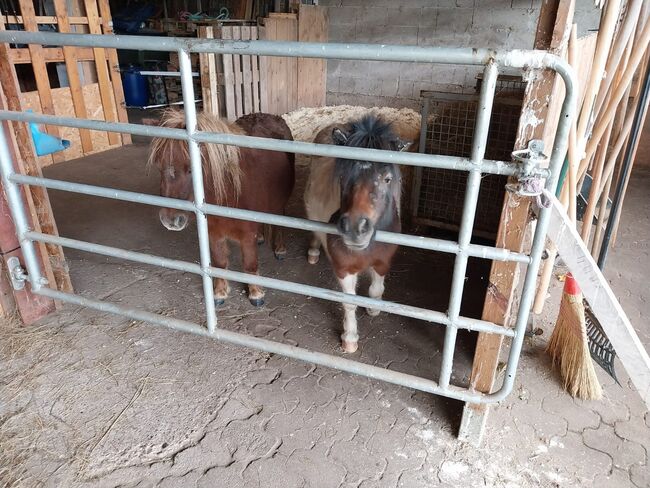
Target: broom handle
<point>621,44</point>
<point>596,174</point>
<point>567,195</point>
<point>610,110</point>
<point>603,43</point>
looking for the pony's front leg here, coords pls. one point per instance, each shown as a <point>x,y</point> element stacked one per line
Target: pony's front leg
<point>249,258</point>
<point>219,248</point>
<point>376,289</point>
<point>279,246</point>
<point>313,255</point>
<point>350,336</point>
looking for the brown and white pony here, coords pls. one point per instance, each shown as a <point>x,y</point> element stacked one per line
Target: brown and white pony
<point>251,179</point>
<point>360,197</point>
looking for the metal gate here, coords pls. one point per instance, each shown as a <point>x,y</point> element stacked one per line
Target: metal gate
<point>528,168</point>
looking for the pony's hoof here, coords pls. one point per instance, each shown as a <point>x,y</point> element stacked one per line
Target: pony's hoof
<point>219,301</point>
<point>313,256</point>
<point>372,312</point>
<point>280,255</point>
<point>256,302</point>
<point>349,347</point>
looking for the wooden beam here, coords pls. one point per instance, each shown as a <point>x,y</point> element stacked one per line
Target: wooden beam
<point>50,54</point>
<point>504,276</point>
<point>38,203</point>
<point>312,73</point>
<point>70,55</point>
<point>44,19</point>
<point>114,68</point>
<point>103,78</point>
<point>208,70</point>
<point>40,71</point>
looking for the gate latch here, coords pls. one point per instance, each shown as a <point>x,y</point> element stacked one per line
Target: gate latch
<point>530,183</point>
<point>17,273</point>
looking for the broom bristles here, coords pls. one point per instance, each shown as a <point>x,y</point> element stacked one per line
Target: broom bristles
<point>569,347</point>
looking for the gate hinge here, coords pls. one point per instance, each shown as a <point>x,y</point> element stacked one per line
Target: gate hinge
<point>530,183</point>
<point>17,273</point>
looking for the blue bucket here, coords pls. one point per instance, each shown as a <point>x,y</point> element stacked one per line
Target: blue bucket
<point>136,93</point>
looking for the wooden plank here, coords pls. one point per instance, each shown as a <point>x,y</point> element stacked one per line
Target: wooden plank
<point>264,73</point>
<point>70,55</point>
<point>292,67</point>
<point>50,54</point>
<point>237,69</point>
<point>114,65</point>
<point>247,73</point>
<point>312,73</point>
<point>45,19</point>
<point>255,73</point>
<point>229,78</point>
<point>602,300</point>
<point>105,90</point>
<point>63,106</point>
<point>40,70</point>
<point>504,276</point>
<point>207,68</point>
<point>52,258</point>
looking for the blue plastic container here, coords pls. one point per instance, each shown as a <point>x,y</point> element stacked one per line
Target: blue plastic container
<point>135,88</point>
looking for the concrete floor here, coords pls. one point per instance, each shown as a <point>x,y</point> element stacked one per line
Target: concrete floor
<point>90,399</point>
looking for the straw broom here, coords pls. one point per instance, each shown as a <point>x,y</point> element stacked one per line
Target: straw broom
<point>569,347</point>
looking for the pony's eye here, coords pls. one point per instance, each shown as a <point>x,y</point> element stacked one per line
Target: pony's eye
<point>388,179</point>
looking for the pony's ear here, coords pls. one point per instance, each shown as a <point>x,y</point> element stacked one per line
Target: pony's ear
<point>401,145</point>
<point>339,137</point>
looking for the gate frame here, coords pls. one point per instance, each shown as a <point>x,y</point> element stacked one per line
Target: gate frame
<point>463,249</point>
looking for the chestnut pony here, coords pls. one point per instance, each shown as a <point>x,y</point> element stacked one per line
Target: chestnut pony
<point>360,197</point>
<point>251,179</point>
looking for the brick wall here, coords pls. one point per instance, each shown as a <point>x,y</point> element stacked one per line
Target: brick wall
<point>499,24</point>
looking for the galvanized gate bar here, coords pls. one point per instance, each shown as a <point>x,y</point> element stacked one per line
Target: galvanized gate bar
<point>427,243</point>
<point>462,249</point>
<point>298,147</point>
<point>484,111</point>
<point>287,286</point>
<point>196,165</point>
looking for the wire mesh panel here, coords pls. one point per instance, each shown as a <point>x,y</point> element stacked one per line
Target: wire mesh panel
<point>449,130</point>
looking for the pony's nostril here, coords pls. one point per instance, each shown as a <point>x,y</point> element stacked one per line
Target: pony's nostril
<point>344,225</point>
<point>180,221</point>
<point>364,226</point>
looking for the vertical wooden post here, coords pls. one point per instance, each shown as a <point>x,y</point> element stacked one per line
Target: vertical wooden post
<point>514,219</point>
<point>114,68</point>
<point>55,267</point>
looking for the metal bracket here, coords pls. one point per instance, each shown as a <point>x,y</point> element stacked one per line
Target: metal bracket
<point>531,158</point>
<point>17,273</point>
<point>529,183</point>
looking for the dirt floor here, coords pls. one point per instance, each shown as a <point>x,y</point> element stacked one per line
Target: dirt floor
<point>90,399</point>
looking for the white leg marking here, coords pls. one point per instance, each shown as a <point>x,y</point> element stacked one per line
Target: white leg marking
<point>350,336</point>
<point>376,289</point>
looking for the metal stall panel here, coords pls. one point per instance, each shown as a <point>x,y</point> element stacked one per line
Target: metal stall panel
<point>475,166</point>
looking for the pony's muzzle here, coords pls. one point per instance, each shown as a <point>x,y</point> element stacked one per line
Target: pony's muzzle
<point>173,220</point>
<point>356,232</point>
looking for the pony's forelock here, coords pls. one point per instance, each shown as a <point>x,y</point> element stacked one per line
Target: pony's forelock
<point>220,162</point>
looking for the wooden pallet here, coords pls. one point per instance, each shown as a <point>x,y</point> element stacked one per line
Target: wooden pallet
<point>95,85</point>
<point>235,85</point>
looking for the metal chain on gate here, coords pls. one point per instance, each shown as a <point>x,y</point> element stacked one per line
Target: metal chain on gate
<point>530,183</point>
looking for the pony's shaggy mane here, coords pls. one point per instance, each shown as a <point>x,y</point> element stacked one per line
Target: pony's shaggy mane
<point>220,162</point>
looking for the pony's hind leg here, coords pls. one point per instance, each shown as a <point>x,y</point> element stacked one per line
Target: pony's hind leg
<point>220,258</point>
<point>249,258</point>
<point>350,336</point>
<point>279,246</point>
<point>376,289</point>
<point>313,255</point>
